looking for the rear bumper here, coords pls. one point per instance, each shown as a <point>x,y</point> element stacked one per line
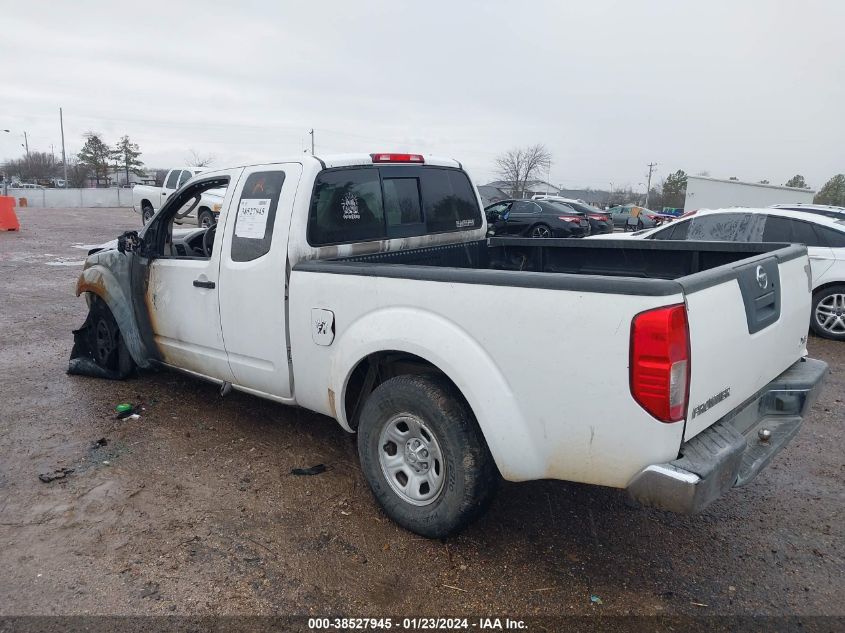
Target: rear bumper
<point>732,451</point>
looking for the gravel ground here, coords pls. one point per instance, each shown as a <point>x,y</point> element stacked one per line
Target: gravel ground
<point>191,508</point>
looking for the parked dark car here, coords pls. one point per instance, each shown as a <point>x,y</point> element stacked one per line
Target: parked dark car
<point>600,221</point>
<point>536,218</point>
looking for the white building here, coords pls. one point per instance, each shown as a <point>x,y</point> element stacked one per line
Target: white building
<point>704,192</point>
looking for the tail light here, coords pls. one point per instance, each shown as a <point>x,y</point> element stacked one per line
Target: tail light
<point>397,158</point>
<point>600,218</point>
<point>660,362</point>
<point>569,218</point>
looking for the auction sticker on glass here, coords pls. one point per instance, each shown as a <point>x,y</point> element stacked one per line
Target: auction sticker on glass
<point>252,218</point>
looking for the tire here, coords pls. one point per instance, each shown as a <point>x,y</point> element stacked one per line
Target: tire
<point>828,314</point>
<point>108,349</point>
<point>458,474</point>
<point>147,213</point>
<point>540,231</point>
<point>205,218</point>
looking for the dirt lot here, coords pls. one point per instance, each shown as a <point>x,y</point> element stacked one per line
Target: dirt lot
<point>191,508</point>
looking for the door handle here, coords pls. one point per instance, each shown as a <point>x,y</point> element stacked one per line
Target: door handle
<point>203,284</point>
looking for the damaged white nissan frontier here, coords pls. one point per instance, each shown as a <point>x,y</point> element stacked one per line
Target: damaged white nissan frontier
<point>364,287</point>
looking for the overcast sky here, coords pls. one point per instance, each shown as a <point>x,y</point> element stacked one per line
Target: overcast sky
<point>748,89</point>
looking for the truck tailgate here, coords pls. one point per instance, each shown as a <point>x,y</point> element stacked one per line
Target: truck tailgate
<point>748,323</point>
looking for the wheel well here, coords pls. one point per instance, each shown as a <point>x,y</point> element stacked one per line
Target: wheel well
<point>827,285</point>
<point>201,209</point>
<point>375,369</point>
<point>146,203</point>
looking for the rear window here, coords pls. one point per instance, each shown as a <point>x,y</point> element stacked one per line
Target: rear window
<point>346,207</point>
<point>724,227</point>
<point>368,203</point>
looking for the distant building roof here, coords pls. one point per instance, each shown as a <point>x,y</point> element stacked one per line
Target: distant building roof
<point>752,184</point>
<point>491,194</point>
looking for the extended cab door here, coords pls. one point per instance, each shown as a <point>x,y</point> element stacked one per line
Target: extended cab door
<point>175,286</point>
<point>253,279</point>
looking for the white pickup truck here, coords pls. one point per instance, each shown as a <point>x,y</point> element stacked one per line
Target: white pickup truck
<point>147,199</point>
<point>363,287</point>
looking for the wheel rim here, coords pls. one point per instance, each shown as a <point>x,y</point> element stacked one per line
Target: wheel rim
<point>541,231</point>
<point>411,460</point>
<point>205,221</point>
<point>104,344</point>
<point>147,215</point>
<point>830,314</point>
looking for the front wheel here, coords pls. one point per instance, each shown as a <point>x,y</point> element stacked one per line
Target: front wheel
<point>147,213</point>
<point>205,218</point>
<point>106,344</point>
<point>828,319</point>
<point>424,456</point>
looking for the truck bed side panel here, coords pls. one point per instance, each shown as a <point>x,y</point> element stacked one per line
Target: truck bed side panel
<point>544,370</point>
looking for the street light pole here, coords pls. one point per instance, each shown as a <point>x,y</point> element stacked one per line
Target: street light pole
<point>64,159</point>
<point>6,176</point>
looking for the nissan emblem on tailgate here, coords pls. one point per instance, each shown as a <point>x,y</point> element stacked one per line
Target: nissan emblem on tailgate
<point>762,278</point>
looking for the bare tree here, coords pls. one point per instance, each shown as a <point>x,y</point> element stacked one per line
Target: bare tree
<point>196,160</point>
<point>518,166</point>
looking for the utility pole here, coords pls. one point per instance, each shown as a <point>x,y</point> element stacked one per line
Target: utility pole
<point>312,140</point>
<point>26,145</point>
<point>651,167</point>
<point>5,177</point>
<point>64,160</point>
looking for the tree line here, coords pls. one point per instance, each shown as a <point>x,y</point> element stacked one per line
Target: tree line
<point>521,165</point>
<point>96,160</point>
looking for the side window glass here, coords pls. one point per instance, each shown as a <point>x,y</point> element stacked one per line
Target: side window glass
<point>186,176</point>
<point>449,200</point>
<point>833,239</point>
<point>346,207</point>
<point>804,233</point>
<point>777,229</point>
<point>173,179</point>
<point>675,231</point>
<point>256,215</point>
<point>522,207</point>
<point>402,201</point>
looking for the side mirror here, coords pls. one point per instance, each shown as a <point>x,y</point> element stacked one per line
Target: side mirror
<point>128,242</point>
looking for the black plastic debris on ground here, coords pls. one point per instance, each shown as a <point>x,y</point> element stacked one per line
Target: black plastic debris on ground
<point>61,473</point>
<point>313,470</point>
<point>100,443</point>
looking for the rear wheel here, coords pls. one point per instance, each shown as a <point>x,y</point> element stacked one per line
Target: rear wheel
<point>424,456</point>
<point>828,319</point>
<point>540,231</point>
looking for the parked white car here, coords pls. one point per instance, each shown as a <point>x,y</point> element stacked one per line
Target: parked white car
<point>821,228</point>
<point>363,287</point>
<point>147,200</point>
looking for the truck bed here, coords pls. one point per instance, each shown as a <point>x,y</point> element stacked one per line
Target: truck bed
<point>647,267</point>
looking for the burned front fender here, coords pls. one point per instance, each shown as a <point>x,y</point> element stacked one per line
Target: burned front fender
<point>107,274</point>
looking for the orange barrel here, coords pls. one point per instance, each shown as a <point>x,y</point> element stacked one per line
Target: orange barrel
<point>8,219</point>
